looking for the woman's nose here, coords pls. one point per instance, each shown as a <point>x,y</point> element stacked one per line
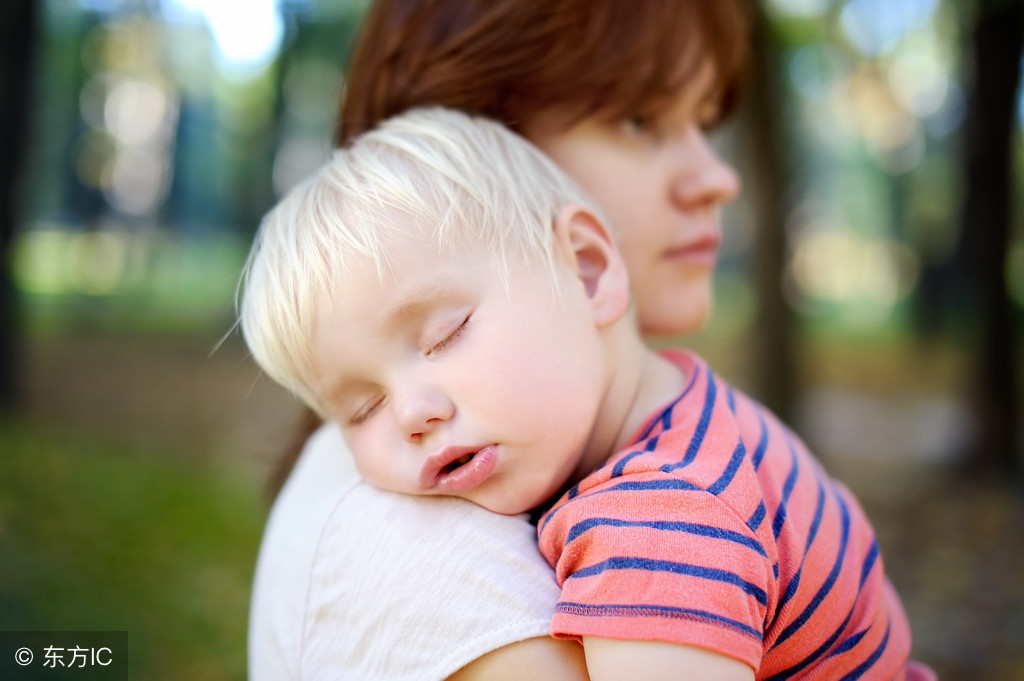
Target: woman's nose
<point>702,178</point>
<point>421,409</point>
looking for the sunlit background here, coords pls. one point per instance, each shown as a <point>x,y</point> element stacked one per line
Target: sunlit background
<point>162,130</point>
<point>166,128</point>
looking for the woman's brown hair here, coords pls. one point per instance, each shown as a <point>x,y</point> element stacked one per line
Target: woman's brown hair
<point>512,59</point>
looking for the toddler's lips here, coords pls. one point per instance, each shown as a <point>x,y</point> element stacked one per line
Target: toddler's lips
<point>456,469</point>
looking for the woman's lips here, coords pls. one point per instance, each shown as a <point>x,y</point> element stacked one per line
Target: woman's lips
<point>700,251</point>
<point>457,469</point>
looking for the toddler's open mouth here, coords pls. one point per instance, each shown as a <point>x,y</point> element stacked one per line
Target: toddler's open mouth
<point>457,469</point>
<point>461,461</point>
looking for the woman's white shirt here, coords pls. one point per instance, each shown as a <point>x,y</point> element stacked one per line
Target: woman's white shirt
<point>356,583</point>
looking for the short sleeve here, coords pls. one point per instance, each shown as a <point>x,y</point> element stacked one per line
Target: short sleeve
<point>665,564</point>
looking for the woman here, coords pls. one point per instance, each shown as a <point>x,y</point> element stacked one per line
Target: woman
<point>353,582</point>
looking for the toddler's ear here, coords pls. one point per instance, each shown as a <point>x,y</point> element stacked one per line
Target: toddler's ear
<point>591,251</point>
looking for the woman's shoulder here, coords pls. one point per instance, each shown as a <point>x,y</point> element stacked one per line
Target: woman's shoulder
<point>326,500</point>
<point>342,562</point>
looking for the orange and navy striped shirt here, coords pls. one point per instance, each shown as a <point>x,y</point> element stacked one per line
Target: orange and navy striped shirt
<point>717,528</point>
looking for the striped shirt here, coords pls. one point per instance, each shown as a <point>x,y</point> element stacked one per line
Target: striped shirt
<point>717,528</point>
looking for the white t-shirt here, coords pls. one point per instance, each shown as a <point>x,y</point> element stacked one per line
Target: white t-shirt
<point>356,583</point>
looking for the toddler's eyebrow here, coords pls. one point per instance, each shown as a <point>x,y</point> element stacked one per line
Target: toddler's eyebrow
<point>413,306</point>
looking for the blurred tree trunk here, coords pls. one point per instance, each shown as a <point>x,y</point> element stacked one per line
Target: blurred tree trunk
<point>995,53</point>
<point>17,37</point>
<point>774,376</point>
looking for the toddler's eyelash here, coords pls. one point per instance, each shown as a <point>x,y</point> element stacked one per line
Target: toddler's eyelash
<point>365,413</point>
<point>450,338</point>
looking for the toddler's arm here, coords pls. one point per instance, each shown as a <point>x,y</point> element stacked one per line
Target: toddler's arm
<point>613,660</point>
<point>543,658</point>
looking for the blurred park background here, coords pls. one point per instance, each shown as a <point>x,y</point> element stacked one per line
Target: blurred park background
<point>871,292</point>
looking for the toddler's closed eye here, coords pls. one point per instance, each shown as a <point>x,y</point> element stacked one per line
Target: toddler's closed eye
<point>447,341</point>
<point>367,410</point>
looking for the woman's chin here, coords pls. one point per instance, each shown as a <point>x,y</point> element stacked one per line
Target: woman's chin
<point>678,316</point>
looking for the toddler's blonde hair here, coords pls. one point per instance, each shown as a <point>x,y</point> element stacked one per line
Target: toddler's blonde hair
<point>469,179</point>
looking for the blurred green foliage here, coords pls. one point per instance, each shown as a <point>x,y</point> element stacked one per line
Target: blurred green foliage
<point>97,536</point>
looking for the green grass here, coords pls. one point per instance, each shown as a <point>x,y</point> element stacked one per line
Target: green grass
<point>100,537</point>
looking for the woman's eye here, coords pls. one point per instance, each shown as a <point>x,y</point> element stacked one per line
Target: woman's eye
<point>366,411</point>
<point>450,338</point>
<point>638,125</point>
<point>709,115</point>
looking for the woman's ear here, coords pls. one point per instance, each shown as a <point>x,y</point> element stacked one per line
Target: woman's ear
<point>590,250</point>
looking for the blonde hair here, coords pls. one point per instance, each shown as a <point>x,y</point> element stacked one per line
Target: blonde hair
<point>470,179</point>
